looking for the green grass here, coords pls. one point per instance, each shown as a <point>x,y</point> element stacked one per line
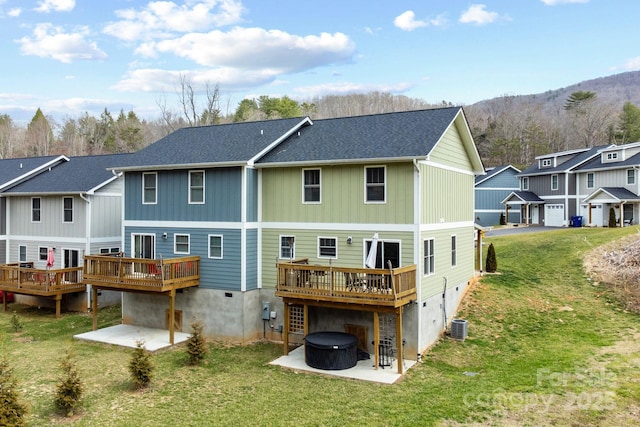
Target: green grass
<point>546,346</point>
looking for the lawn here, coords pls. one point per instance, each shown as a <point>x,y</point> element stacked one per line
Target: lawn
<point>546,346</point>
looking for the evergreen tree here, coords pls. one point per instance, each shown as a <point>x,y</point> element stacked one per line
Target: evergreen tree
<point>612,218</point>
<point>70,388</point>
<point>197,345</point>
<point>141,366</point>
<point>492,263</point>
<point>12,410</point>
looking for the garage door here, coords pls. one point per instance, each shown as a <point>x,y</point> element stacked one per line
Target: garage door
<point>554,215</point>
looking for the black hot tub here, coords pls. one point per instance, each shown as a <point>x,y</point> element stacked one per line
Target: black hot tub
<point>331,350</point>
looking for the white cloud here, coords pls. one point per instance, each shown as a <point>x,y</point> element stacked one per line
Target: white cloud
<point>15,12</point>
<point>162,19</point>
<point>555,2</point>
<point>476,14</point>
<point>407,21</point>
<point>273,51</point>
<point>49,41</point>
<point>347,88</point>
<point>632,64</point>
<point>47,6</point>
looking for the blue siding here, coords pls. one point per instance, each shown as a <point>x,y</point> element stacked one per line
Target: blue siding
<point>252,195</point>
<point>214,273</point>
<point>252,259</point>
<point>491,199</point>
<point>505,179</point>
<point>222,197</point>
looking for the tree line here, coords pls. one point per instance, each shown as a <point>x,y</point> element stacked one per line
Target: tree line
<point>507,130</point>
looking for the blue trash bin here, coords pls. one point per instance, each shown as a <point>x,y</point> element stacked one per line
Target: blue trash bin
<point>577,221</point>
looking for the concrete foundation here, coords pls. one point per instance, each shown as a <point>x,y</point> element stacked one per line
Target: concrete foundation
<point>78,302</point>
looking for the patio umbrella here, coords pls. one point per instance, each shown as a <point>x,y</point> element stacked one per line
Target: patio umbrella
<point>373,252</point>
<point>50,258</point>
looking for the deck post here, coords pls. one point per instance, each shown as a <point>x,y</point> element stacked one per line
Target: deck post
<point>4,300</point>
<point>94,306</point>
<point>399,339</point>
<point>172,314</point>
<point>285,335</point>
<point>58,299</point>
<point>376,339</point>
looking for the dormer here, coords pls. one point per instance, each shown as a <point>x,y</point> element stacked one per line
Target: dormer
<point>611,156</point>
<point>546,162</point>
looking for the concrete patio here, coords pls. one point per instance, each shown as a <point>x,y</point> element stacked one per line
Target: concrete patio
<point>128,335</point>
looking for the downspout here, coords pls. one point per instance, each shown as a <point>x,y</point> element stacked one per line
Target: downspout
<point>417,211</point>
<point>87,244</point>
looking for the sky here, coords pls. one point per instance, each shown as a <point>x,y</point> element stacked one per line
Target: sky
<point>70,57</point>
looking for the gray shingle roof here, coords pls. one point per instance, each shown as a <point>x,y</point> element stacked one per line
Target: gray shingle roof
<point>79,174</point>
<point>570,164</point>
<point>525,196</point>
<point>220,144</point>
<point>12,169</point>
<point>408,134</point>
<point>619,193</point>
<point>596,163</point>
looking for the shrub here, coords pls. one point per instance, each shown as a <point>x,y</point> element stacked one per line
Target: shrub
<point>12,410</point>
<point>16,322</point>
<point>612,218</point>
<point>197,345</point>
<point>492,262</point>
<point>70,388</point>
<point>503,221</point>
<point>141,366</point>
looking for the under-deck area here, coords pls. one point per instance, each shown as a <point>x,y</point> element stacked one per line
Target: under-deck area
<point>362,289</point>
<point>22,278</point>
<point>141,275</point>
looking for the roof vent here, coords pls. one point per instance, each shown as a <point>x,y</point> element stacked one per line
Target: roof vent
<point>261,131</point>
<point>298,133</point>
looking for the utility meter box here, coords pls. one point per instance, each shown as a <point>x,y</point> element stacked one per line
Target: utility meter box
<point>266,310</point>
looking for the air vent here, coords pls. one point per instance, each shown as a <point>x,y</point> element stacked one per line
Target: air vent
<point>458,329</point>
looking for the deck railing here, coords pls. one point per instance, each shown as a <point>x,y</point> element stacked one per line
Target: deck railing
<point>371,286</point>
<point>141,274</point>
<point>23,278</point>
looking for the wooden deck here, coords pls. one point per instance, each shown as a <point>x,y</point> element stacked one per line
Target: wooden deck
<point>22,278</point>
<point>150,276</point>
<point>363,289</point>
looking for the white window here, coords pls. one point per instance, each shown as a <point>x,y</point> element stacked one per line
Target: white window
<point>196,187</point>
<point>287,247</point>
<point>67,209</point>
<point>43,252</point>
<point>104,251</point>
<point>525,183</point>
<point>554,182</point>
<point>454,250</point>
<point>546,163</point>
<point>181,243</point>
<point>311,186</point>
<point>22,253</point>
<point>591,180</point>
<point>215,246</point>
<point>149,188</point>
<point>327,247</point>
<point>631,176</point>
<point>35,209</point>
<point>612,156</point>
<point>375,191</point>
<point>429,257</point>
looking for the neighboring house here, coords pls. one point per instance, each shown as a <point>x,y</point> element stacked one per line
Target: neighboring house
<point>610,180</point>
<point>13,172</point>
<point>73,207</point>
<point>490,190</point>
<point>246,197</point>
<point>549,188</point>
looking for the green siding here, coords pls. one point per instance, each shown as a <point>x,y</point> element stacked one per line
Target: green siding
<point>463,271</point>
<point>447,195</point>
<point>450,151</point>
<point>306,246</point>
<point>342,196</point>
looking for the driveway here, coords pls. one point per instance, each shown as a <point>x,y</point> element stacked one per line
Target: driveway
<point>519,230</point>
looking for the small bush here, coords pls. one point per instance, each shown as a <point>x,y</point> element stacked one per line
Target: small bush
<point>70,388</point>
<point>141,366</point>
<point>197,345</point>
<point>503,221</point>
<point>492,262</point>
<point>16,322</point>
<point>12,410</point>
